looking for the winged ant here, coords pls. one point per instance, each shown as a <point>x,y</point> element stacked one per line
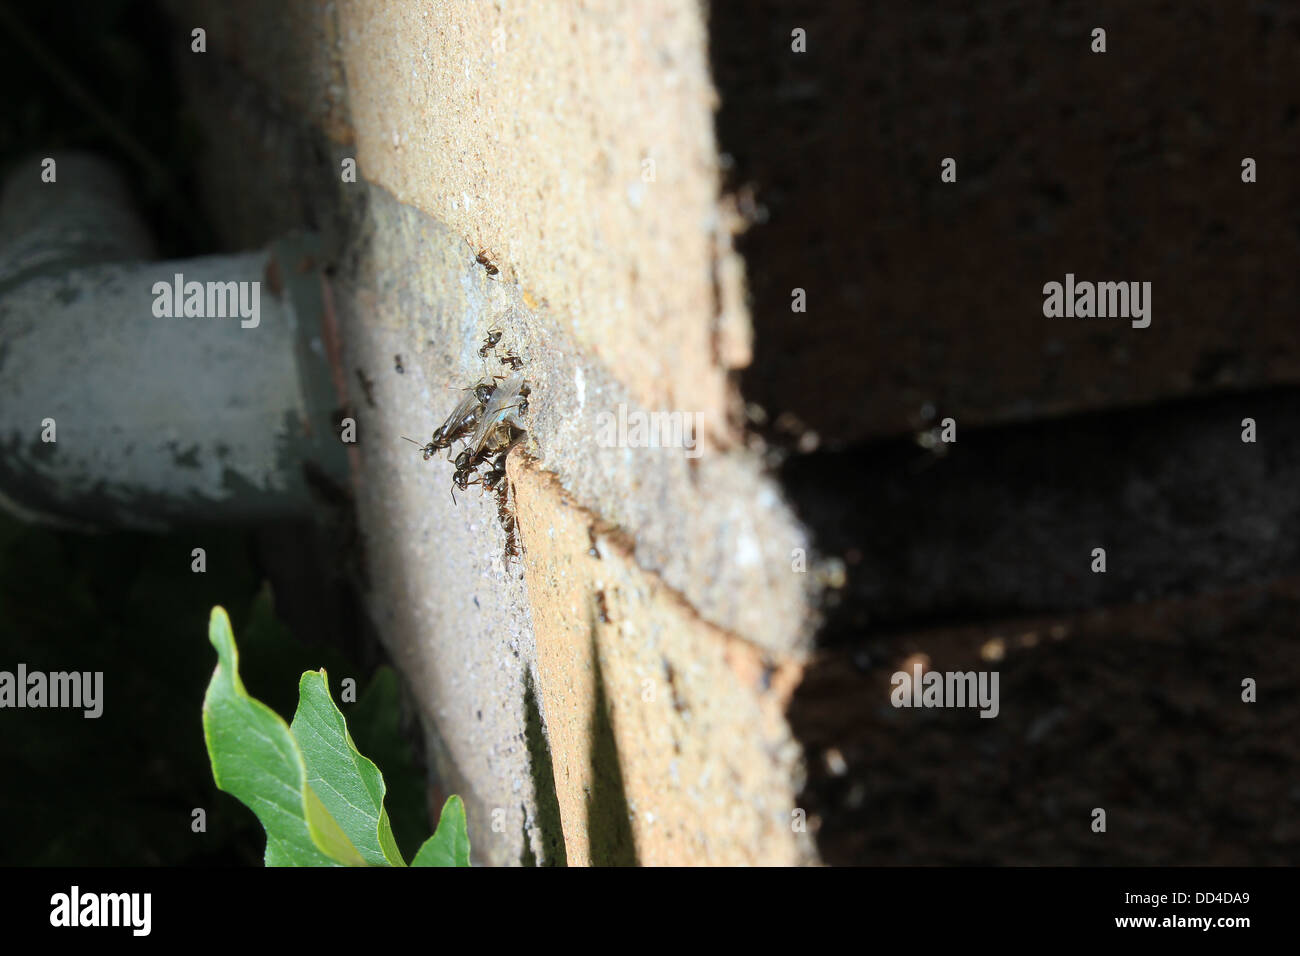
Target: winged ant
<point>488,420</point>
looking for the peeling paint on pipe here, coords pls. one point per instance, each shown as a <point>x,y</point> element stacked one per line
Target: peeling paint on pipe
<point>118,413</point>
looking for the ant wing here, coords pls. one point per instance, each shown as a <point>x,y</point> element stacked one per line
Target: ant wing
<point>461,419</point>
<point>503,399</point>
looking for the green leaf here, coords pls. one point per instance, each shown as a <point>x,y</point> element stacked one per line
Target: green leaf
<point>374,723</point>
<point>449,845</point>
<point>319,799</point>
<point>327,833</point>
<point>350,788</point>
<point>256,759</point>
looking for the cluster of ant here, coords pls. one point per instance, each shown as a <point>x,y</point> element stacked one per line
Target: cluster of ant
<point>487,419</point>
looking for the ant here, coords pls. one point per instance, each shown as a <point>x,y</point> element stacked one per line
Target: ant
<point>498,413</point>
<point>504,515</point>
<point>460,479</point>
<point>482,391</point>
<point>497,474</point>
<point>498,441</point>
<point>463,418</point>
<point>483,259</point>
<point>487,420</point>
<point>499,432</point>
<point>508,526</point>
<point>495,480</point>
<point>489,345</point>
<point>489,342</point>
<point>467,463</point>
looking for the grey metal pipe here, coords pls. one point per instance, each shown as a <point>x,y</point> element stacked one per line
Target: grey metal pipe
<point>146,394</point>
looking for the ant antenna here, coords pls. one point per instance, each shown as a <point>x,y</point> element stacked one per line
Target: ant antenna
<point>426,449</point>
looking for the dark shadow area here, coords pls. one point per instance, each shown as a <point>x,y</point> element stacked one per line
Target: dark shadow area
<point>1004,521</point>
<point>1134,709</point>
<point>1117,166</point>
<point>608,828</point>
<point>924,301</point>
<point>119,789</point>
<point>100,77</point>
<point>543,774</point>
<point>527,857</point>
